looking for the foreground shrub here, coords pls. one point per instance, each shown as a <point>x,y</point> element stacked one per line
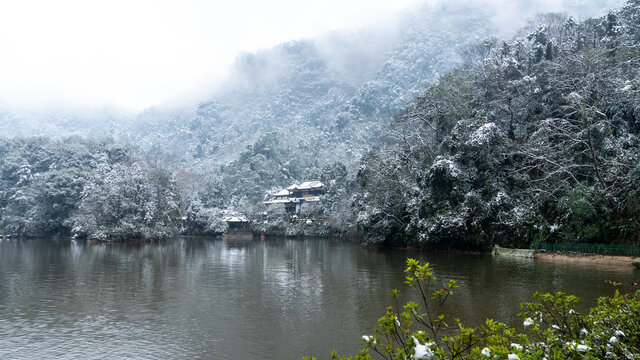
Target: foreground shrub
<point>553,328</point>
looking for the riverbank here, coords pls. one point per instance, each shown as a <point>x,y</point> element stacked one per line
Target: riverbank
<point>614,260</point>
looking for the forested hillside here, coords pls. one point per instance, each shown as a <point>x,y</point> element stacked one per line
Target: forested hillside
<point>531,139</point>
<point>96,189</point>
<point>429,133</point>
<point>318,94</point>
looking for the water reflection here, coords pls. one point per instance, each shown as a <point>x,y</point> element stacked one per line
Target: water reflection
<point>217,298</point>
<point>238,236</point>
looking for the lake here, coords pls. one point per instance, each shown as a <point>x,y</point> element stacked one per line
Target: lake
<point>209,298</point>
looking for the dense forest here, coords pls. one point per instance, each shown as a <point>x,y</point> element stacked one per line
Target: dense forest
<point>533,139</point>
<point>95,189</point>
<point>488,142</point>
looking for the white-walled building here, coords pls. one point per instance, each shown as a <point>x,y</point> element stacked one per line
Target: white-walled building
<point>298,197</point>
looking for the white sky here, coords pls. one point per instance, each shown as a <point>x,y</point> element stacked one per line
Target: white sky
<point>137,53</point>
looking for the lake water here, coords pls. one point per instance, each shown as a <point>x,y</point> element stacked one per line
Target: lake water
<point>205,298</point>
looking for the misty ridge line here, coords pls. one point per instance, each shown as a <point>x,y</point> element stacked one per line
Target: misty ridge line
<point>312,85</point>
<point>506,16</point>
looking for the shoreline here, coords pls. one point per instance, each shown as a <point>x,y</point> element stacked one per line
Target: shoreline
<point>614,260</point>
<point>545,256</point>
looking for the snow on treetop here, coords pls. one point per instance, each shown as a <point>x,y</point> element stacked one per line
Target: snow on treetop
<point>444,164</point>
<point>484,134</point>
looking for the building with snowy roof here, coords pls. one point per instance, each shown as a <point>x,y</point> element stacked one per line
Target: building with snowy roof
<point>236,220</point>
<point>238,227</point>
<point>298,197</point>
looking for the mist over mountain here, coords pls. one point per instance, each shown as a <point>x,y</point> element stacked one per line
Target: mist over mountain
<point>344,84</point>
<point>307,90</point>
<point>65,121</point>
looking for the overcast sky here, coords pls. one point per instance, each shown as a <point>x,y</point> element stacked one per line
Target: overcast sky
<point>136,53</point>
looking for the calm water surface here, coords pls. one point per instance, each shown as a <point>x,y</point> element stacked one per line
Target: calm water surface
<point>200,298</point>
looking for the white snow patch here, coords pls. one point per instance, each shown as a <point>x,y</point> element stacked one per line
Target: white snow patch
<point>578,347</point>
<point>582,348</point>
<point>484,134</point>
<point>368,338</point>
<point>422,352</point>
<point>486,352</point>
<point>445,165</point>
<point>574,97</point>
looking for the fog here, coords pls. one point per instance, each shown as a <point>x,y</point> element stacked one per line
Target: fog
<point>133,55</point>
<point>140,53</point>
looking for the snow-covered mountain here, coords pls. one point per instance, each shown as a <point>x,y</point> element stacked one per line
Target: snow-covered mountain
<point>339,90</point>
<point>331,97</point>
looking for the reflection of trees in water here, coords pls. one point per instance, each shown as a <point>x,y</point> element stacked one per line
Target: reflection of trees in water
<point>201,295</point>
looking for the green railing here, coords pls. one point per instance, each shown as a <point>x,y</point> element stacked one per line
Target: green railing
<point>601,249</point>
